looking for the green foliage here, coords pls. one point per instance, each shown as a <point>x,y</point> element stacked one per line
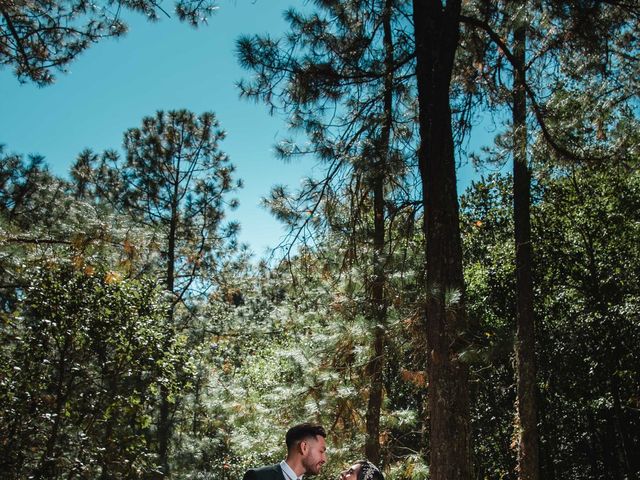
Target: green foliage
<point>414,468</point>
<point>490,279</point>
<point>590,229</point>
<point>289,354</point>
<point>346,91</point>
<point>37,38</point>
<point>340,77</point>
<point>81,359</point>
<point>585,236</point>
<point>174,182</point>
<point>88,356</point>
<point>41,221</point>
<point>23,185</point>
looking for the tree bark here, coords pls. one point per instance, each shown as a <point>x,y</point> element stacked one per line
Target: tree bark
<point>165,422</point>
<point>47,464</point>
<point>620,424</point>
<point>527,424</point>
<point>436,37</point>
<point>378,302</point>
<point>592,447</point>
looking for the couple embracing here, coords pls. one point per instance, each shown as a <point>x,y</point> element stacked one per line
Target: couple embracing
<point>306,454</point>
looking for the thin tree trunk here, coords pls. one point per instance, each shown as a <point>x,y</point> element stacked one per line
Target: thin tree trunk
<point>437,37</point>
<point>164,424</point>
<point>592,442</point>
<point>47,464</point>
<point>609,445</point>
<point>372,442</point>
<point>528,455</point>
<point>546,451</point>
<point>620,424</point>
<point>164,431</point>
<point>374,405</point>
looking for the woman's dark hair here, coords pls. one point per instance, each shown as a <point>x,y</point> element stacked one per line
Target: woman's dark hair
<point>368,471</point>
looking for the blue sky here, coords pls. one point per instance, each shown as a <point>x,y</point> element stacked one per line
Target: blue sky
<point>162,66</point>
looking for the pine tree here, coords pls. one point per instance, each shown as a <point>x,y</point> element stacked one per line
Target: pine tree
<point>38,37</point>
<point>551,34</point>
<point>527,411</point>
<point>437,35</point>
<point>174,181</point>
<point>338,76</point>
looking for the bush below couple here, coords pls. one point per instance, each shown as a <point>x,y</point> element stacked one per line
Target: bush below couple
<point>306,454</point>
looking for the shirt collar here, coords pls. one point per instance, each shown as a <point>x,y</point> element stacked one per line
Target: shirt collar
<point>289,474</point>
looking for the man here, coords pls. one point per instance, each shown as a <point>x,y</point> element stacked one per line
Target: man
<point>306,454</point>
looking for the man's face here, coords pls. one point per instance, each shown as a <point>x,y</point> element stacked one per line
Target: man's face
<point>314,454</point>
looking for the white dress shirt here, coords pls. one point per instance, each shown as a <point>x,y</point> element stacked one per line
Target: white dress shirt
<point>289,474</point>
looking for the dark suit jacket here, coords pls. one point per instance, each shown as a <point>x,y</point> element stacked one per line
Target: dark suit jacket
<point>272,472</point>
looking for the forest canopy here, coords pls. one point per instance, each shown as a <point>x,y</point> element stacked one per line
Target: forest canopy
<point>442,334</point>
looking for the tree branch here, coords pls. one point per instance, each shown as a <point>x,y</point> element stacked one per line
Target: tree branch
<point>537,110</point>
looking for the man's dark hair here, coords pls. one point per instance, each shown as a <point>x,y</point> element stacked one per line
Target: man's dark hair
<point>299,432</point>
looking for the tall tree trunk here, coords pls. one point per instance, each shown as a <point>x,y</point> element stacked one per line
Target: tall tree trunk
<point>528,456</point>
<point>436,37</point>
<point>378,302</point>
<point>546,451</point>
<point>164,431</point>
<point>47,465</point>
<point>164,424</point>
<point>621,426</point>
<point>592,449</point>
<point>609,448</point>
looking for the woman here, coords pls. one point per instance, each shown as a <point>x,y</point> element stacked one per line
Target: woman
<point>362,470</point>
